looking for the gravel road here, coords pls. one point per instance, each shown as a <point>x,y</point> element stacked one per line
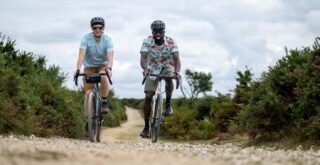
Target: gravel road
<point>122,145</point>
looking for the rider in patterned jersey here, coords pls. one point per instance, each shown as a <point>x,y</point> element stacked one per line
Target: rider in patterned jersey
<point>159,54</point>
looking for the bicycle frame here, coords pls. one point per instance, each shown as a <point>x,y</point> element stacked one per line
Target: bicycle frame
<point>156,111</point>
<point>158,93</point>
<point>95,116</point>
<point>157,106</point>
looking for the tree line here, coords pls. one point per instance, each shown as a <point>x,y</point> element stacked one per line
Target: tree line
<point>33,99</point>
<point>284,102</point>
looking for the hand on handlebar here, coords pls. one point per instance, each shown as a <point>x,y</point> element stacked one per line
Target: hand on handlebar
<point>109,72</point>
<point>177,75</point>
<point>178,79</point>
<point>145,72</point>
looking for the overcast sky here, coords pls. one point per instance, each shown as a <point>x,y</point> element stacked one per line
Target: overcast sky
<point>216,36</point>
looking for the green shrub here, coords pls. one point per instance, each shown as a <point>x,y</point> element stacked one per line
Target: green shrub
<point>34,100</point>
<point>286,99</point>
<point>180,124</point>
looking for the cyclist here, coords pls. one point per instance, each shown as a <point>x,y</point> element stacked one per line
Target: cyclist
<point>159,53</point>
<point>96,54</point>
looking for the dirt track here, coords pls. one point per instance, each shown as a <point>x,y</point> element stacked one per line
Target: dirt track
<point>123,146</point>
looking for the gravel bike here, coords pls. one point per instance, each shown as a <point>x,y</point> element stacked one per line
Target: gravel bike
<point>95,116</point>
<point>157,104</point>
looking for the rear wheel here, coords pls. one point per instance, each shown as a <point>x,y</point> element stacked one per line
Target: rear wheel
<point>156,120</point>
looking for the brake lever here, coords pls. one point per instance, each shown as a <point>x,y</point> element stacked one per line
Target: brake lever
<point>109,80</point>
<point>144,78</point>
<point>178,79</point>
<point>108,76</point>
<point>76,81</point>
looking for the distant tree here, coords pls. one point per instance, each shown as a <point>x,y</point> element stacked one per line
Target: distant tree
<point>199,82</point>
<point>243,88</point>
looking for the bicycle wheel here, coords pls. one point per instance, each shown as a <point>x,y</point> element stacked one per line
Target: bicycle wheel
<point>156,120</point>
<point>99,123</point>
<point>99,119</point>
<point>92,124</point>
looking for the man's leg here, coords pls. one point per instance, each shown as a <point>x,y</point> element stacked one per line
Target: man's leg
<point>147,110</point>
<point>168,71</point>
<point>169,90</point>
<point>104,86</point>
<point>104,91</point>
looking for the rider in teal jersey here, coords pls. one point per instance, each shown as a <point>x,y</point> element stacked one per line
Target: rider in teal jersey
<point>96,54</point>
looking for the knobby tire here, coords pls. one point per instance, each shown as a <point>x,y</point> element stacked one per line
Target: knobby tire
<point>156,121</point>
<point>92,124</point>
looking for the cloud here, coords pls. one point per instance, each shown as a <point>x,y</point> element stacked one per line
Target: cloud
<point>217,36</point>
<point>312,20</point>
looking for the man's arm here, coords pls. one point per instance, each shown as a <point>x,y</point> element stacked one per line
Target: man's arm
<point>82,53</point>
<point>110,59</point>
<point>143,60</point>
<point>176,59</point>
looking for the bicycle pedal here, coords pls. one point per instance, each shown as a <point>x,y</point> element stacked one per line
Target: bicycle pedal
<point>161,121</point>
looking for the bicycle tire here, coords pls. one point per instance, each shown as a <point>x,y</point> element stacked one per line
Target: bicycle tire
<point>92,116</point>
<point>153,131</point>
<point>98,119</point>
<point>98,132</point>
<point>156,123</point>
<point>153,134</point>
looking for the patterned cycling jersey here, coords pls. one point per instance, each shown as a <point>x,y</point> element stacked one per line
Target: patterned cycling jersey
<point>159,56</point>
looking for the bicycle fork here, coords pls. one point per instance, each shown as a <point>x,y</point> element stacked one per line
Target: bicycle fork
<point>98,113</point>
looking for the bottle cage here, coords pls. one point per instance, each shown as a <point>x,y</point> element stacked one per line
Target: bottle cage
<point>93,78</point>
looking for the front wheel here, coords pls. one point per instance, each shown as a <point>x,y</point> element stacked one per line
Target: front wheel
<point>156,119</point>
<point>92,117</point>
<point>99,125</point>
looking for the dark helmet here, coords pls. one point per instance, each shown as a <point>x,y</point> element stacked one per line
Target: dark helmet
<point>158,25</point>
<point>97,20</point>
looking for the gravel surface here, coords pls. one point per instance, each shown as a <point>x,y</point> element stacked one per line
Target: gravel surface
<point>134,150</point>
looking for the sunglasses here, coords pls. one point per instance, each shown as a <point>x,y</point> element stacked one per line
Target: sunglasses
<point>97,27</point>
<point>157,31</point>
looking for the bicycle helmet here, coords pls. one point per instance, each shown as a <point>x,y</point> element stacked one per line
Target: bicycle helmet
<point>97,20</point>
<point>158,25</point>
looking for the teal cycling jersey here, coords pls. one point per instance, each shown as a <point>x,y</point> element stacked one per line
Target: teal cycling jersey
<point>96,52</point>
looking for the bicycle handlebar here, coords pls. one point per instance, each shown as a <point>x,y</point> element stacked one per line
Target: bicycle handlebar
<point>160,77</point>
<point>85,74</point>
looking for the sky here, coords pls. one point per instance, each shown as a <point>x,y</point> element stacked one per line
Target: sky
<point>219,37</point>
